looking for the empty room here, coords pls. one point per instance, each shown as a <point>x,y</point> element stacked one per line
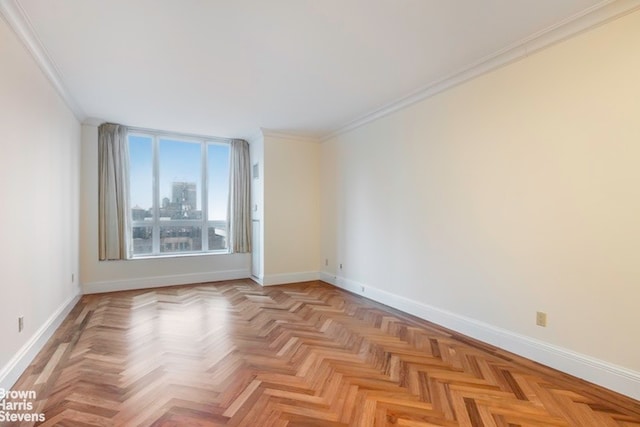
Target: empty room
<point>320,213</point>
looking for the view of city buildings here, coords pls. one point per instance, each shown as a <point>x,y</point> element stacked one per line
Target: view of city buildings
<point>181,206</point>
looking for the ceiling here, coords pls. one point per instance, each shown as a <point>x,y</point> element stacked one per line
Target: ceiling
<point>229,68</point>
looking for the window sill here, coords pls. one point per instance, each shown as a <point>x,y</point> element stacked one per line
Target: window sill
<point>179,255</point>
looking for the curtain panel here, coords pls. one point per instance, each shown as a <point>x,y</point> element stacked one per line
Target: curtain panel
<point>113,193</point>
<point>240,198</point>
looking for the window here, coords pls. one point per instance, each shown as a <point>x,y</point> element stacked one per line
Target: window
<point>179,191</point>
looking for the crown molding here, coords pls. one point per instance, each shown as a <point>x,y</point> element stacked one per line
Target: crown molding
<point>304,137</point>
<point>599,14</point>
<point>18,20</point>
<point>93,121</point>
<point>590,18</point>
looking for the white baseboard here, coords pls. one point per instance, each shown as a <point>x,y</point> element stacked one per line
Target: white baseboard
<point>281,279</point>
<point>608,375</point>
<point>10,373</point>
<point>162,281</point>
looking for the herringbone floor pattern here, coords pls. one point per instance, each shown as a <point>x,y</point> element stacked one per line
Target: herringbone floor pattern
<point>237,354</point>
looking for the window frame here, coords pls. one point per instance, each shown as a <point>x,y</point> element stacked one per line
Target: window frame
<point>155,222</point>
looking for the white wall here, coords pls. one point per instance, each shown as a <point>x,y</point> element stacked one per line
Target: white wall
<point>104,276</point>
<point>291,209</point>
<point>516,192</point>
<point>39,169</point>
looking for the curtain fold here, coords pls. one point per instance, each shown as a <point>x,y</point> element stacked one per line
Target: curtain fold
<point>113,193</point>
<point>239,197</point>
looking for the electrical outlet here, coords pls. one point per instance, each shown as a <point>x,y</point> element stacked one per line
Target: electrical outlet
<point>326,262</point>
<point>20,323</point>
<point>362,289</point>
<point>340,266</point>
<point>541,319</point>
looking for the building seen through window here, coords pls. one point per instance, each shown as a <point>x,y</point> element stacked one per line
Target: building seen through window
<point>186,211</point>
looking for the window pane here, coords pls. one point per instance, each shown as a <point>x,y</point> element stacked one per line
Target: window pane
<point>218,195</point>
<point>180,176</point>
<point>174,190</point>
<point>141,177</point>
<point>180,239</point>
<point>218,170</point>
<point>142,240</point>
<point>217,233</point>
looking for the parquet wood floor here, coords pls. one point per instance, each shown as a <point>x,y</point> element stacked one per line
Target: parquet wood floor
<point>236,354</point>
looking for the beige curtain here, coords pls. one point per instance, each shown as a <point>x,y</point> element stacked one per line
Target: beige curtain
<point>240,197</point>
<point>113,193</point>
